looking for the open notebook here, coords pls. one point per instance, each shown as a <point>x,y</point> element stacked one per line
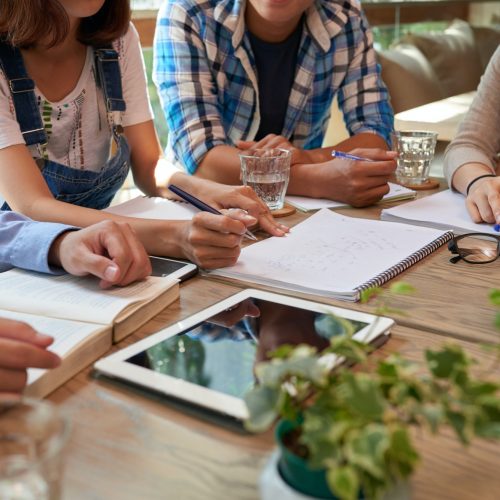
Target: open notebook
<point>304,203</point>
<point>335,256</point>
<point>444,210</point>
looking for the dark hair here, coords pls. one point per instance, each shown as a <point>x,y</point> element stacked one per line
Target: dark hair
<point>23,23</point>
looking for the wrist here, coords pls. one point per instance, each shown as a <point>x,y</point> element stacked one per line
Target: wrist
<point>474,183</point>
<point>54,255</point>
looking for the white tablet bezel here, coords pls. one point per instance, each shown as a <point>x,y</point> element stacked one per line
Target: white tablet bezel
<point>116,365</point>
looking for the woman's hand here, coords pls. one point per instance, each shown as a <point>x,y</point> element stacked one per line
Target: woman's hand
<point>21,348</point>
<point>483,200</point>
<point>222,196</point>
<point>212,241</point>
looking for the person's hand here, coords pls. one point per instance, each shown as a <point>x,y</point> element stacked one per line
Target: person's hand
<point>483,200</point>
<point>109,250</point>
<point>271,141</point>
<point>232,316</point>
<point>222,196</point>
<point>211,240</point>
<point>21,348</point>
<point>359,183</point>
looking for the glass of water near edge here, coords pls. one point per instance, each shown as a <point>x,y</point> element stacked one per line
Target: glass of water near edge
<point>267,171</point>
<point>33,435</point>
<point>415,150</point>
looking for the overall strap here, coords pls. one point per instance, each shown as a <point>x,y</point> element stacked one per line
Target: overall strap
<point>22,89</point>
<point>109,78</point>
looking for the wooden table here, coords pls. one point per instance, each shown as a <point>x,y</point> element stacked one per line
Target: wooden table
<point>127,444</point>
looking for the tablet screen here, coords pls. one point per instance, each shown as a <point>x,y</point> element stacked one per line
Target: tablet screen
<point>220,353</point>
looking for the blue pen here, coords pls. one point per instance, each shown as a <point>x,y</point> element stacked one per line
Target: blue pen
<point>496,228</point>
<point>200,205</point>
<point>347,156</point>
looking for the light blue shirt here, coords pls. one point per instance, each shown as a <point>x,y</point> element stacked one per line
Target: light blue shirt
<point>26,243</point>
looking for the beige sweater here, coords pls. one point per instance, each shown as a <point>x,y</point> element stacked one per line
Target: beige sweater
<point>478,137</point>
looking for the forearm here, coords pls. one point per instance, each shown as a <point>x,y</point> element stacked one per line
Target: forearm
<point>306,180</point>
<point>465,174</point>
<point>159,237</point>
<point>221,164</point>
<point>363,140</point>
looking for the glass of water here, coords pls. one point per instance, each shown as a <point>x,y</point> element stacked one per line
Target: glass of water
<point>415,150</point>
<point>33,435</point>
<point>267,171</point>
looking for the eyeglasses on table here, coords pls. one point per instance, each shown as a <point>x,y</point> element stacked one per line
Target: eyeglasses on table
<point>475,248</point>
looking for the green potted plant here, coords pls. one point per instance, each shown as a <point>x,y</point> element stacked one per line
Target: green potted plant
<point>344,432</point>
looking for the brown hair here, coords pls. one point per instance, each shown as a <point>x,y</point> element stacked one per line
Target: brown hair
<point>23,23</point>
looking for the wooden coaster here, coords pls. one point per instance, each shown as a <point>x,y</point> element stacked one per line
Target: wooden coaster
<point>284,212</point>
<point>428,184</point>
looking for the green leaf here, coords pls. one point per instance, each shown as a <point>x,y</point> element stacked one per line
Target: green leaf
<point>445,362</point>
<point>497,320</point>
<point>367,448</point>
<point>459,424</point>
<point>262,405</point>
<point>434,416</point>
<point>488,430</point>
<point>362,395</point>
<point>402,288</point>
<point>369,293</point>
<point>350,349</point>
<point>402,451</point>
<point>343,482</point>
<point>495,296</point>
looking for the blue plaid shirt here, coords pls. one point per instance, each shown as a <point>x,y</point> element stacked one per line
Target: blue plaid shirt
<point>205,73</point>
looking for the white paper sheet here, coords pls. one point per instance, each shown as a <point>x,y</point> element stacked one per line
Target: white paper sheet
<point>444,210</point>
<point>305,203</point>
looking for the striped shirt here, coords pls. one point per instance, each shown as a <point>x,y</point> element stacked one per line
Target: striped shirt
<point>205,73</point>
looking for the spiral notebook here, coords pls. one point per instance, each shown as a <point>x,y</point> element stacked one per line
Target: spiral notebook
<point>335,256</point>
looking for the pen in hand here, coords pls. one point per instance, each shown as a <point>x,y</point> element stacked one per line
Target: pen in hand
<point>348,156</point>
<point>200,205</point>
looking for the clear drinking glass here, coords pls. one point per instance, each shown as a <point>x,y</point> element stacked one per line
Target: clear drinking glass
<point>33,434</point>
<point>267,171</point>
<point>415,150</point>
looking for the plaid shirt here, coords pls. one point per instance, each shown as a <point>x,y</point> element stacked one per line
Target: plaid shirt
<point>205,73</point>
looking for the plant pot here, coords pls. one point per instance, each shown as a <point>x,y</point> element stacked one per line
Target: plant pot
<point>288,477</point>
<point>296,472</point>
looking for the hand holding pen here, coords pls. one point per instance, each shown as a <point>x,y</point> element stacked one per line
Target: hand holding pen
<point>200,205</point>
<point>359,177</point>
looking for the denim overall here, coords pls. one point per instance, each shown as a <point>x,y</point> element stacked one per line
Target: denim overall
<point>79,187</point>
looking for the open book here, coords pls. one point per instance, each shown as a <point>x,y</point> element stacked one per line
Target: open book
<point>83,319</point>
<point>335,256</point>
<point>154,208</point>
<point>444,210</point>
<point>304,203</point>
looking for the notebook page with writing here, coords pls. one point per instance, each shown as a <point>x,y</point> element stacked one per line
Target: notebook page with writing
<point>444,210</point>
<point>154,208</point>
<point>304,203</point>
<point>335,256</point>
